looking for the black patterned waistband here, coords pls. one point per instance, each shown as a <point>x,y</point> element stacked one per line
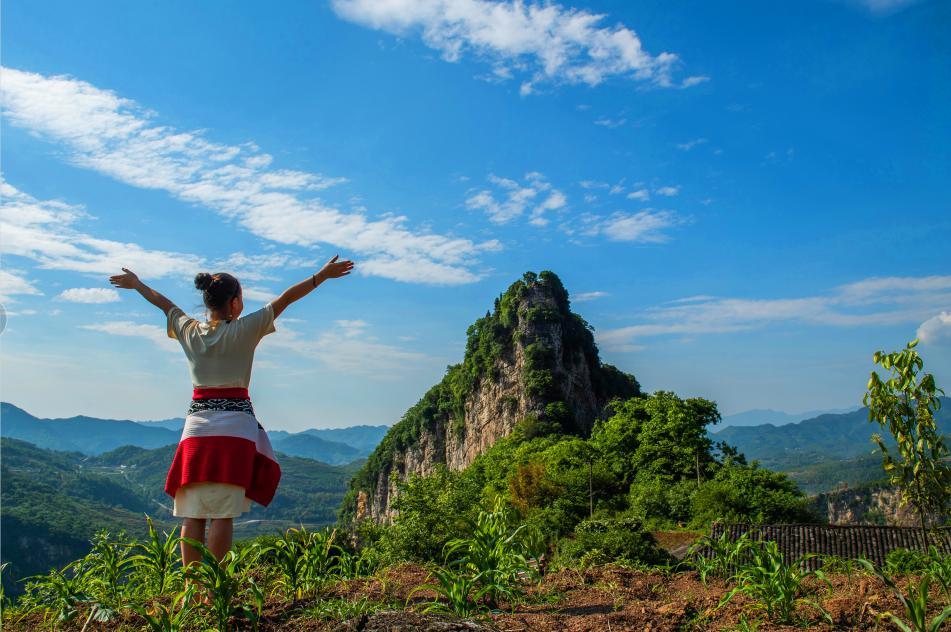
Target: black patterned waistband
<point>232,404</point>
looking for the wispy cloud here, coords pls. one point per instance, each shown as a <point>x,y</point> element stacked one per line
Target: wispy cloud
<point>129,329</point>
<point>509,199</point>
<point>642,195</point>
<point>690,144</point>
<point>44,231</point>
<point>12,283</point>
<point>538,43</point>
<point>667,191</point>
<point>112,135</point>
<point>647,227</point>
<point>610,122</point>
<point>89,295</point>
<point>583,297</point>
<point>873,301</point>
<point>347,347</point>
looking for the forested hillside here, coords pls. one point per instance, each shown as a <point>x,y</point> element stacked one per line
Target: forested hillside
<point>54,502</point>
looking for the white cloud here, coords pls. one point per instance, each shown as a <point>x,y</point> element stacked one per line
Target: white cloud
<point>588,296</point>
<point>12,284</point>
<point>873,301</point>
<point>642,195</point>
<point>610,123</point>
<point>593,184</point>
<point>667,191</point>
<point>114,136</point>
<point>936,330</point>
<point>542,43</point>
<point>257,293</point>
<point>346,348</point>
<point>127,328</point>
<point>646,226</point>
<point>695,80</point>
<point>352,328</point>
<point>690,144</point>
<point>89,295</point>
<point>511,199</point>
<point>43,230</point>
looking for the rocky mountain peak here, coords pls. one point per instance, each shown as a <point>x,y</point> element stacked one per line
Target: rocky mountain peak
<point>531,362</point>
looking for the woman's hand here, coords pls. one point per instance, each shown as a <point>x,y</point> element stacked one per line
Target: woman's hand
<point>334,269</point>
<point>127,281</point>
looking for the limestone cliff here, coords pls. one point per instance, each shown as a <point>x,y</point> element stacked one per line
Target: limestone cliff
<point>530,361</point>
<point>870,505</point>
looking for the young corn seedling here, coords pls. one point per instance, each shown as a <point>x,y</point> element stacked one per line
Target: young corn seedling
<point>915,603</point>
<point>230,589</point>
<point>774,585</point>
<point>287,554</point>
<point>460,593</point>
<point>166,617</point>
<point>156,564</point>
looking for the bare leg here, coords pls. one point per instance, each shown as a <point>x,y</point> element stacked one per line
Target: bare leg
<point>193,528</point>
<point>220,535</point>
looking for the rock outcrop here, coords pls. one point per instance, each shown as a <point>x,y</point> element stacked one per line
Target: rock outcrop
<point>868,505</point>
<point>531,362</point>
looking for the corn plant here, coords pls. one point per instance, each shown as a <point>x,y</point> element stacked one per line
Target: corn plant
<point>496,555</point>
<point>106,568</point>
<point>161,617</point>
<point>319,557</point>
<point>3,593</point>
<point>939,569</point>
<point>915,603</point>
<point>155,562</point>
<point>286,553</point>
<point>343,609</point>
<point>717,557</point>
<point>774,585</point>
<point>230,589</point>
<point>58,594</point>
<point>459,590</point>
<point>351,566</point>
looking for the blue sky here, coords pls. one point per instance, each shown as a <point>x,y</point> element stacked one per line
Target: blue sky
<point>747,200</point>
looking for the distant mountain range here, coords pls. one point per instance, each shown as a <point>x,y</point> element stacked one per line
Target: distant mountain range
<point>92,436</point>
<point>820,452</point>
<point>761,416</point>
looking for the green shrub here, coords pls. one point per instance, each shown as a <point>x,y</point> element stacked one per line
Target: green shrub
<point>430,510</point>
<point>620,540</point>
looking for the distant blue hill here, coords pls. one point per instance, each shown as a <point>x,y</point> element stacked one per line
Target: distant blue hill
<point>762,416</point>
<point>88,435</point>
<point>92,436</point>
<point>827,437</point>
<point>364,438</point>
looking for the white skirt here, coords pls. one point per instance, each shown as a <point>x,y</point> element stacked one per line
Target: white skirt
<point>210,500</point>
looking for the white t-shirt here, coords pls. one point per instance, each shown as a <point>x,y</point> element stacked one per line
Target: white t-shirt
<point>220,353</point>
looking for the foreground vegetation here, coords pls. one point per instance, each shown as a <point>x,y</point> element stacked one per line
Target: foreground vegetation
<point>314,579</point>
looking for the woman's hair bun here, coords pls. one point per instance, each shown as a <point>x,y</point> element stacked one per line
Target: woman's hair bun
<point>202,281</point>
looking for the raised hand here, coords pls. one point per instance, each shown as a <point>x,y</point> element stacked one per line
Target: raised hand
<point>127,281</point>
<point>334,269</point>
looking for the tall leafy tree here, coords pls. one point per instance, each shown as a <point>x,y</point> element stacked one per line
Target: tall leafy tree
<point>904,402</point>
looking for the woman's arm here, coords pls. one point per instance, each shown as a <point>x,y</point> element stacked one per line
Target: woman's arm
<point>129,281</point>
<point>333,269</point>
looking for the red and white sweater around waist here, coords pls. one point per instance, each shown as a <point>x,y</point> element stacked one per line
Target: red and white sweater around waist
<point>222,442</point>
